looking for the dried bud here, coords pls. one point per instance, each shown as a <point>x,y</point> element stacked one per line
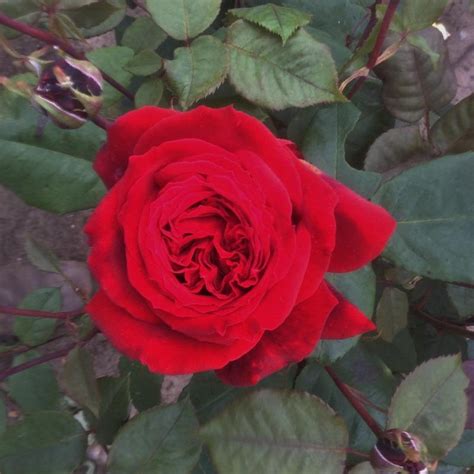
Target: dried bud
<point>399,451</point>
<point>69,91</point>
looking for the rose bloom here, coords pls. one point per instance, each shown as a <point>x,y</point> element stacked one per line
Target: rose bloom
<point>210,247</point>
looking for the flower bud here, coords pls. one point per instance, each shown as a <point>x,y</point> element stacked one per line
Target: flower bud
<point>69,91</point>
<point>399,451</point>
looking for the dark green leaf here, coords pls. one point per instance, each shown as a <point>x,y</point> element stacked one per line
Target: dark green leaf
<point>428,202</point>
<point>419,14</point>
<point>359,288</point>
<point>142,34</point>
<point>33,331</point>
<point>362,468</point>
<point>3,416</point>
<point>34,389</point>
<point>204,466</point>
<point>185,19</point>
<point>412,84</point>
<point>463,454</point>
<point>149,93</point>
<point>113,408</point>
<point>41,257</point>
<point>391,313</point>
<point>198,70</point>
<point>462,299</point>
<point>78,380</point>
<point>46,442</point>
<point>145,387</point>
<point>282,21</point>
<point>321,133</point>
<point>431,403</point>
<point>271,75</point>
<point>26,11</point>
<point>277,431</point>
<point>144,63</point>
<point>157,441</point>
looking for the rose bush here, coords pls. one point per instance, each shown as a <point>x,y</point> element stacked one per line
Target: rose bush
<point>211,245</point>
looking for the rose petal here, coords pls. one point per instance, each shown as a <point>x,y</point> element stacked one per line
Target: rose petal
<point>363,229</point>
<point>346,320</point>
<point>291,342</point>
<point>162,350</point>
<point>112,159</point>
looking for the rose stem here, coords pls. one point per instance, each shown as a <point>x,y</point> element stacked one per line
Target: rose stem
<point>464,285</point>
<point>356,404</point>
<point>49,38</point>
<point>41,314</point>
<point>22,349</point>
<point>370,25</point>
<point>101,122</point>
<point>45,358</point>
<point>374,55</point>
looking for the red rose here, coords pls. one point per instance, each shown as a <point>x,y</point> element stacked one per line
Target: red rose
<point>211,246</point>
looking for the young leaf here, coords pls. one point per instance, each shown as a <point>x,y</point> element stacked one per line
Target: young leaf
<point>420,14</point>
<point>185,19</point>
<point>454,131</point>
<point>46,442</point>
<point>282,21</point>
<point>299,74</point>
<point>33,331</point>
<point>149,93</point>
<point>78,380</point>
<point>197,70</point>
<point>145,63</point>
<point>391,313</point>
<point>277,431</point>
<point>160,440</point>
<point>142,34</point>
<point>412,84</point>
<point>428,201</point>
<point>320,133</point>
<point>431,404</point>
<point>36,388</point>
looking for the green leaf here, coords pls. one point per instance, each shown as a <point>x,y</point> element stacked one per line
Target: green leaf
<point>26,11</point>
<point>282,21</point>
<point>272,75</point>
<point>157,441</point>
<point>112,60</point>
<point>47,179</point>
<point>149,93</point>
<point>362,468</point>
<point>391,313</point>
<point>145,387</point>
<point>113,408</point>
<point>78,380</point>
<point>94,19</point>
<point>197,70</point>
<point>412,84</point>
<point>204,466</point>
<point>463,454</point>
<point>359,288</point>
<point>431,404</point>
<point>429,202</point>
<point>396,150</point>
<point>145,63</point>
<point>142,34</point>
<point>462,299</point>
<point>454,131</point>
<point>46,442</point>
<point>185,19</point>
<point>41,257</point>
<point>36,388</point>
<point>3,416</point>
<point>277,431</point>
<point>420,14</point>
<point>321,133</point>
<point>33,331</point>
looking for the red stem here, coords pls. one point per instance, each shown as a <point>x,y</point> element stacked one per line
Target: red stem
<point>356,404</point>
<point>370,24</point>
<point>464,285</point>
<point>442,324</point>
<point>41,314</point>
<point>101,122</point>
<point>49,38</point>
<point>374,55</point>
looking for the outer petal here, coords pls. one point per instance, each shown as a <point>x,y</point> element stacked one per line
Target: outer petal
<point>346,320</point>
<point>363,230</point>
<point>112,159</point>
<point>291,342</point>
<point>155,345</point>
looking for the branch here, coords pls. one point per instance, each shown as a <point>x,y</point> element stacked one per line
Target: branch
<point>374,55</point>
<point>49,38</point>
<point>41,314</point>
<point>442,324</point>
<point>356,404</point>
